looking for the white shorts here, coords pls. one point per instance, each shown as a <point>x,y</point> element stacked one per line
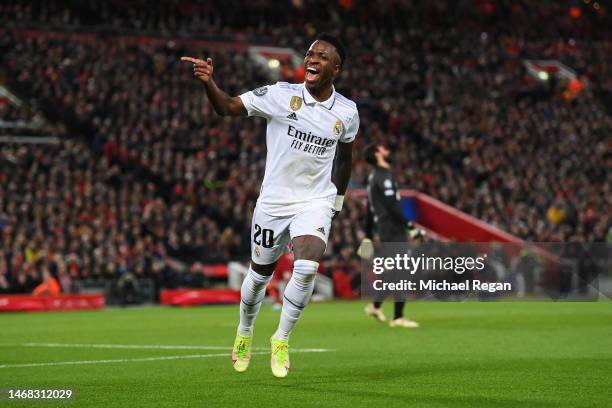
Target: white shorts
<point>270,235</point>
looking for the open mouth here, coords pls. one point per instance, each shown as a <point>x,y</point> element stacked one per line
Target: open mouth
<point>312,74</point>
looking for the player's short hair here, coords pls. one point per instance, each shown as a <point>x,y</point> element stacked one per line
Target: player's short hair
<point>335,42</point>
<point>369,153</point>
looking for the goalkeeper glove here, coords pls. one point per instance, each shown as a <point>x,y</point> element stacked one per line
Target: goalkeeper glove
<point>414,232</point>
<point>366,249</point>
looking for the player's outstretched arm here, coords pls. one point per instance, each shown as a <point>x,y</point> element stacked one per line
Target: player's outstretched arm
<point>223,104</point>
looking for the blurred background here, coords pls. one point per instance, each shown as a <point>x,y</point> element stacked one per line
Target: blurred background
<point>117,178</point>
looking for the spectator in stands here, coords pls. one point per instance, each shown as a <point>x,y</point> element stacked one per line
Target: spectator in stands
<point>49,286</point>
<point>143,165</point>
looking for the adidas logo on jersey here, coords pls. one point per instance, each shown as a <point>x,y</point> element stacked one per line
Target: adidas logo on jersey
<point>321,230</point>
<point>292,115</point>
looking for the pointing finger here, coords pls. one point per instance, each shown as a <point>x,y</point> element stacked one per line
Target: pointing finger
<point>193,60</point>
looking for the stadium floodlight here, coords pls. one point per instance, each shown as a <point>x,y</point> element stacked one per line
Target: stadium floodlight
<point>271,58</point>
<point>542,70</point>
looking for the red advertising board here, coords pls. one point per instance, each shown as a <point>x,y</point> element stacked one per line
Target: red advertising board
<point>188,297</point>
<point>28,303</point>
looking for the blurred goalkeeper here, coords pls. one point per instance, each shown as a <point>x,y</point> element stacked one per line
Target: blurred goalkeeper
<point>386,217</point>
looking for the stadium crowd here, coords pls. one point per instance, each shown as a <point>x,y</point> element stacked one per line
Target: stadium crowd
<point>146,176</point>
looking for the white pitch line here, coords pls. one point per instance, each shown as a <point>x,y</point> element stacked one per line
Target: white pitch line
<point>136,360</point>
<point>118,360</point>
<point>127,346</point>
<point>160,347</point>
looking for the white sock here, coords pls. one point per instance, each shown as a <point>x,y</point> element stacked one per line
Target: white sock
<point>252,293</point>
<point>296,296</point>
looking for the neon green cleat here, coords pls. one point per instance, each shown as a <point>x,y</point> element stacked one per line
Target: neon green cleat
<point>241,354</point>
<point>279,361</point>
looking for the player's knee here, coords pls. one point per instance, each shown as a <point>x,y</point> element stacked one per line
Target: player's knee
<point>308,247</point>
<point>265,270</point>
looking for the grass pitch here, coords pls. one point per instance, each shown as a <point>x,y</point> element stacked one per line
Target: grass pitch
<point>464,355</point>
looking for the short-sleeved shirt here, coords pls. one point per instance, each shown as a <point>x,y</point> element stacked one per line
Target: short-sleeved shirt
<point>301,137</point>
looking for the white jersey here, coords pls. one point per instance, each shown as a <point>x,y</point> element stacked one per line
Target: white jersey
<point>301,136</point>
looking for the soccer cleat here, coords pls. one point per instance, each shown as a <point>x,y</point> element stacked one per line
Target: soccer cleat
<point>376,313</point>
<point>241,353</point>
<point>279,361</point>
<point>404,323</point>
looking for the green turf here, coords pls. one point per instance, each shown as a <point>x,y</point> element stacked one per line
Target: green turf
<point>464,355</point>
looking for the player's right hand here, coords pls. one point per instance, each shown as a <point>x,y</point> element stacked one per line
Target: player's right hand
<point>202,70</point>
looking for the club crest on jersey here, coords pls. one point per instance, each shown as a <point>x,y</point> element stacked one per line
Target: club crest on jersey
<point>257,252</point>
<point>261,91</point>
<point>295,103</point>
<point>338,128</point>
